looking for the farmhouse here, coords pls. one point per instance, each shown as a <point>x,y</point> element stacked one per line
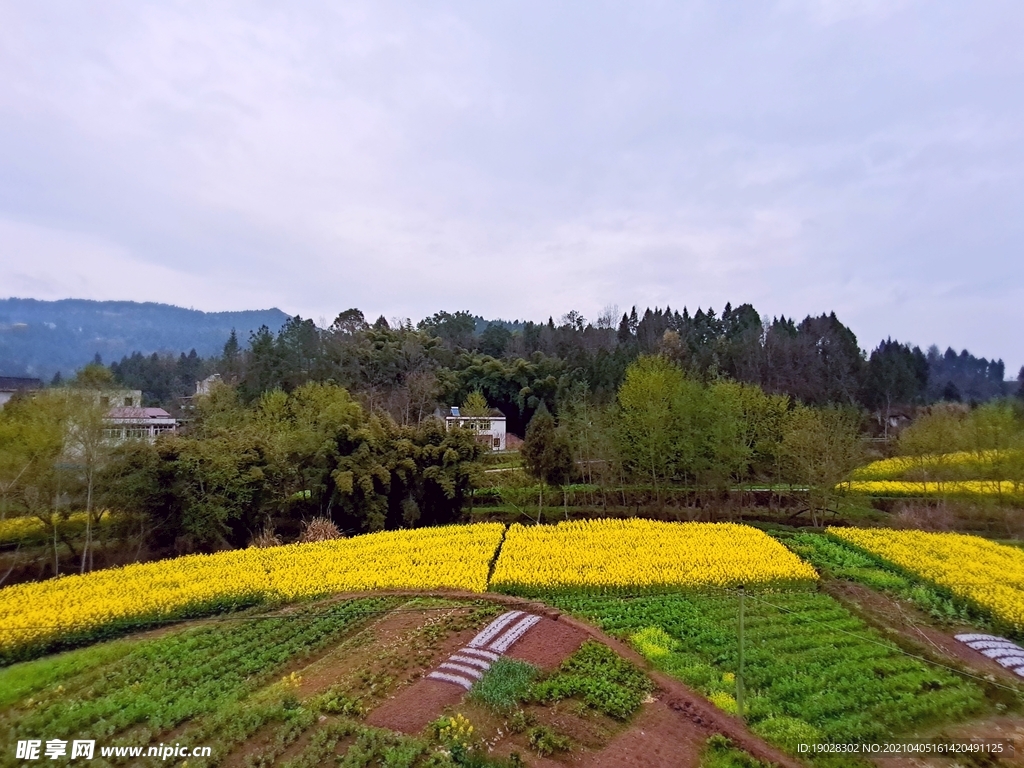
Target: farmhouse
<point>126,419</point>
<point>489,429</point>
<point>134,423</point>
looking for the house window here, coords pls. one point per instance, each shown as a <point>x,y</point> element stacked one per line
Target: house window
<point>484,425</point>
<point>496,443</point>
<point>128,402</point>
<point>105,402</point>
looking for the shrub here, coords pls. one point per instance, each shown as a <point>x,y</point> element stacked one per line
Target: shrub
<point>319,529</point>
<point>546,741</point>
<point>600,678</point>
<point>265,538</point>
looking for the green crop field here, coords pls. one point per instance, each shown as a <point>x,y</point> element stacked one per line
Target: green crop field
<point>813,672</point>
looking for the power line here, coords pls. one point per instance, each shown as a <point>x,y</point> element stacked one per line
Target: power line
<point>526,601</point>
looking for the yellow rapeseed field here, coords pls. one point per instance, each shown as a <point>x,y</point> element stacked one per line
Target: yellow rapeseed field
<point>642,554</point>
<point>18,528</point>
<point>991,488</point>
<point>40,613</point>
<point>988,574</point>
<point>894,468</point>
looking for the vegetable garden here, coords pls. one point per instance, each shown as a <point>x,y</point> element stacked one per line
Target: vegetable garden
<point>813,671</point>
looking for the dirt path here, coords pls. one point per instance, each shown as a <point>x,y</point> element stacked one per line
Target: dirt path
<point>904,621</point>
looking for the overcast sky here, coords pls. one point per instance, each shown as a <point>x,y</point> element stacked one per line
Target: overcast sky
<point>523,159</point>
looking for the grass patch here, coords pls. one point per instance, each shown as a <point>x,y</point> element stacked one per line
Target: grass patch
<point>505,684</point>
<point>600,678</point>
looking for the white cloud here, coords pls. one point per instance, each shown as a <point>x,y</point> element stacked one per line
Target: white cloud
<point>804,156</point>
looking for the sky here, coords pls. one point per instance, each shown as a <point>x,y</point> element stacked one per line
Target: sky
<point>519,160</point>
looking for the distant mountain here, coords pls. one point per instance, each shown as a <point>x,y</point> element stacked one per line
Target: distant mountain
<point>39,338</point>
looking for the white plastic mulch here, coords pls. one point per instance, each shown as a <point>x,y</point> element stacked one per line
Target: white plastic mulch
<point>467,665</point>
<point>999,649</point>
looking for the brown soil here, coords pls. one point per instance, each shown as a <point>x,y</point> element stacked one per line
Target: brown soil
<point>657,738</point>
<point>905,622</point>
<point>548,644</point>
<point>422,702</point>
<point>390,651</point>
<point>341,662</point>
<point>1000,727</point>
<point>415,706</point>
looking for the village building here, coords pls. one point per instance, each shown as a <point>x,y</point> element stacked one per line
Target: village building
<point>489,430</point>
<point>126,419</point>
<point>135,423</point>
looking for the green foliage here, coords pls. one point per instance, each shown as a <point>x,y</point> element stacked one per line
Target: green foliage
<point>93,376</point>
<point>950,443</point>
<point>600,678</point>
<point>310,453</point>
<point>475,404</point>
<point>787,732</point>
<point>547,453</point>
<point>821,448</point>
<point>653,642</point>
<point>505,684</point>
<point>674,428</point>
<point>520,721</point>
<point>117,689</point>
<point>546,741</point>
<point>810,666</point>
<point>719,752</point>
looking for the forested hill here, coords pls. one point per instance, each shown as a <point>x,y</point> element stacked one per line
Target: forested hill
<point>39,338</point>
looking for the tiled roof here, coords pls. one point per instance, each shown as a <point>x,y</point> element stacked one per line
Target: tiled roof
<point>137,413</point>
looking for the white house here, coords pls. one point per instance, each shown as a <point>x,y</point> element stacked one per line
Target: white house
<point>488,429</point>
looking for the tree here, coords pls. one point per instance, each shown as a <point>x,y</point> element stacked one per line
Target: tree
<point>87,450</point>
<point>931,439</point>
<point>231,358</point>
<point>456,329</point>
<point>349,322</point>
<point>494,340</point>
<point>33,479</point>
<point>649,430</point>
<point>93,376</point>
<point>895,374</point>
<point>820,448</point>
<point>475,404</point>
<point>547,455</point>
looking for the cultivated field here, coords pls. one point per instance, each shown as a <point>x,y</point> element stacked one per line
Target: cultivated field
<point>581,638</point>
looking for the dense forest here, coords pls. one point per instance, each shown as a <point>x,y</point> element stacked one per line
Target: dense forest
<point>408,371</point>
<point>672,413</point>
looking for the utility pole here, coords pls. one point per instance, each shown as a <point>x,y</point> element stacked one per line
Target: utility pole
<point>739,675</point>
